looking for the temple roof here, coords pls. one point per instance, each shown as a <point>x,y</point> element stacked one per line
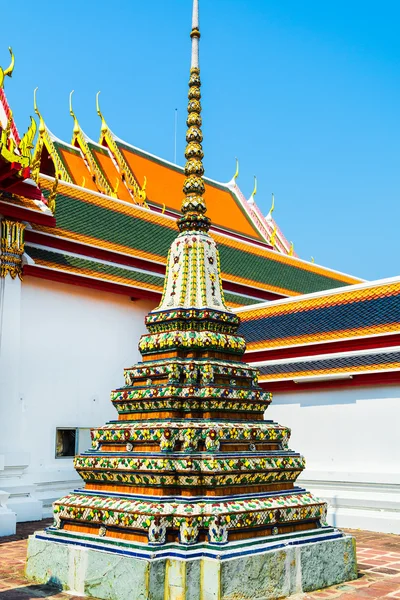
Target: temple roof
<point>20,197</point>
<point>356,311</point>
<point>116,203</point>
<point>345,335</point>
<point>334,366</point>
<point>96,221</point>
<point>162,181</point>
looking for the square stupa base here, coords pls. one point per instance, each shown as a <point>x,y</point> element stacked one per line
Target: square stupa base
<point>263,569</point>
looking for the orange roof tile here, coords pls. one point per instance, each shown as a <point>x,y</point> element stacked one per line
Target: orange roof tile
<point>165,183</point>
<point>77,168</point>
<point>111,173</point>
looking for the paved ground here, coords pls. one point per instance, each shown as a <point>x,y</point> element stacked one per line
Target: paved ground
<point>378,561</point>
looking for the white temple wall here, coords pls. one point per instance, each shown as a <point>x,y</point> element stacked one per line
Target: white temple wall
<point>351,441</point>
<point>75,343</point>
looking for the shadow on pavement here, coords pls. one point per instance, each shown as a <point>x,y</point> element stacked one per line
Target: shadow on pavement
<point>29,592</point>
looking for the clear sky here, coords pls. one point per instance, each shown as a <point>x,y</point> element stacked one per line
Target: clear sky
<point>306,94</point>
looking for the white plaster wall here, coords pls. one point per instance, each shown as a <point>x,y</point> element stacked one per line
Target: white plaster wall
<point>75,343</point>
<point>351,441</point>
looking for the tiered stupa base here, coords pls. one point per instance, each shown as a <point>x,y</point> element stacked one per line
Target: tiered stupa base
<point>191,495</point>
<point>265,568</point>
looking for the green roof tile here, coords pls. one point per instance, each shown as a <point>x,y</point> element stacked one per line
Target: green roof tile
<point>104,224</point>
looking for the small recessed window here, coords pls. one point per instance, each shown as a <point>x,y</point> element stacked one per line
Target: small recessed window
<point>65,443</point>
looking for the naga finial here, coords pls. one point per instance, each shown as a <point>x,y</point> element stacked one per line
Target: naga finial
<point>10,68</point>
<point>291,251</point>
<point>271,210</point>
<point>73,115</point>
<point>42,126</point>
<point>236,175</point>
<point>26,143</point>
<point>254,192</point>
<point>9,71</point>
<point>103,121</point>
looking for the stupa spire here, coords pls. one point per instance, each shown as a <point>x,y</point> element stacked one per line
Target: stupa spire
<point>195,35</point>
<point>193,275</point>
<point>193,205</point>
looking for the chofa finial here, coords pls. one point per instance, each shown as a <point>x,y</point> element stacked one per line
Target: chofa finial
<point>271,210</point>
<point>9,71</point>
<point>73,115</point>
<point>254,192</point>
<point>42,127</point>
<point>103,121</point>
<point>236,175</point>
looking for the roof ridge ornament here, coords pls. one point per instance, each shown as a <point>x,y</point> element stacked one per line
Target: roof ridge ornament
<point>45,138</point>
<point>254,192</point>
<point>80,140</point>
<point>107,139</point>
<point>42,126</point>
<point>104,126</point>
<point>77,128</point>
<point>271,210</point>
<point>236,175</point>
<point>9,71</point>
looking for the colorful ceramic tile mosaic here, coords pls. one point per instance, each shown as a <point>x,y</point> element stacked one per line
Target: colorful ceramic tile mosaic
<point>190,457</point>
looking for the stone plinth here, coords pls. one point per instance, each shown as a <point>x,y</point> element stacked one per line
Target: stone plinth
<point>266,569</point>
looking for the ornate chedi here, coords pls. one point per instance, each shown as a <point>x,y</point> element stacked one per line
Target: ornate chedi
<point>190,463</point>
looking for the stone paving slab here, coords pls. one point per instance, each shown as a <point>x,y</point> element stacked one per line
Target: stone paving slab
<point>378,557</point>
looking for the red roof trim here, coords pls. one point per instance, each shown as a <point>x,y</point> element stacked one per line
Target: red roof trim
<point>48,241</point>
<point>7,110</point>
<point>365,380</point>
<point>365,343</point>
<point>96,284</point>
<point>25,214</point>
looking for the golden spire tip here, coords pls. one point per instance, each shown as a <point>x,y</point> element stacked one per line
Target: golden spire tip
<point>236,175</point>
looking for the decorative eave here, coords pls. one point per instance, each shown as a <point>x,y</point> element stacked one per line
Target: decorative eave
<point>267,226</point>
<point>82,141</point>
<point>15,159</point>
<point>248,208</point>
<point>277,238</point>
<point>6,115</point>
<point>46,140</point>
<point>357,368</point>
<point>108,139</point>
<point>358,318</point>
<point>22,209</point>
<point>338,365</point>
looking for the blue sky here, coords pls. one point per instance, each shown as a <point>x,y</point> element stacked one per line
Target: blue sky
<point>306,94</point>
